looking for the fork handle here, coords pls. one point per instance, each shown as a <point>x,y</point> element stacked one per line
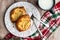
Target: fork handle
<point>42,22</point>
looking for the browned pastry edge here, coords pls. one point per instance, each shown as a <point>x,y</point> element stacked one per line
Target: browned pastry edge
<point>18,21</point>
<point>13,11</point>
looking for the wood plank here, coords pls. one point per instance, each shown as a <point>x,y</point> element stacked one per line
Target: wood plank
<point>19,0</point>
<point>3,6</point>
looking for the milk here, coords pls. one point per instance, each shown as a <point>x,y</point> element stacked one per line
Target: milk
<point>45,4</point>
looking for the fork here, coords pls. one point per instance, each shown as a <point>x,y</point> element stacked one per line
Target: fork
<point>32,17</point>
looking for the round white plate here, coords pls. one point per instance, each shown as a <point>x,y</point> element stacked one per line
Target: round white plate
<point>29,9</point>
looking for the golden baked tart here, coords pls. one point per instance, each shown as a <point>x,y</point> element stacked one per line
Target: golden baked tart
<point>23,23</point>
<point>16,13</point>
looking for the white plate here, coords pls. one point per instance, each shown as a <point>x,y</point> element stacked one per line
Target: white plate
<point>30,9</point>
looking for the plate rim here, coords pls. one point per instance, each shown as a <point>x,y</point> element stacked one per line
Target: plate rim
<point>10,10</point>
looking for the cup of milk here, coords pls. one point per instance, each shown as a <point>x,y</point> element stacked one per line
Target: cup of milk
<point>46,4</point>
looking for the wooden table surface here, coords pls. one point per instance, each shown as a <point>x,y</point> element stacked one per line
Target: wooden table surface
<point>4,4</point>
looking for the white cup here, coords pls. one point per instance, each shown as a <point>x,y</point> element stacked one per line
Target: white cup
<point>46,4</point>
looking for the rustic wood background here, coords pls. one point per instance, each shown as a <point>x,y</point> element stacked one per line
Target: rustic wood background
<point>4,4</point>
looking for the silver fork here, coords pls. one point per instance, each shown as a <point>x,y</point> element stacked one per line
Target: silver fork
<point>33,17</point>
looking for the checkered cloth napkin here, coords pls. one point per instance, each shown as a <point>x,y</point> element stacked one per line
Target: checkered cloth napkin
<point>53,20</point>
